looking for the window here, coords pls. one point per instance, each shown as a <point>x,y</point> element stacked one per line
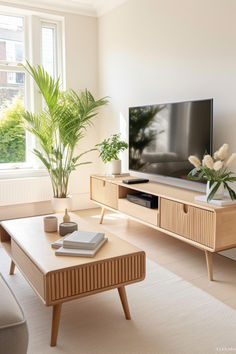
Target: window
<point>49,48</point>
<point>16,90</point>
<point>12,90</point>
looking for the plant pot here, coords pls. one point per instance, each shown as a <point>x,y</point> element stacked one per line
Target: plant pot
<point>219,193</point>
<point>60,204</point>
<point>114,167</point>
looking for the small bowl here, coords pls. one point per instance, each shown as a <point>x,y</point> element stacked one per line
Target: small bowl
<point>67,228</point>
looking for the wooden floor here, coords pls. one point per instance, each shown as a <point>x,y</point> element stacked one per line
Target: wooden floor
<point>170,312</point>
<point>178,257</point>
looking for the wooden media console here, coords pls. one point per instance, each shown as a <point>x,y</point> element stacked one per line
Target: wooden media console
<point>206,226</point>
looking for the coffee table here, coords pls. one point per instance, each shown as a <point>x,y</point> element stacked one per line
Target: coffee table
<point>57,279</point>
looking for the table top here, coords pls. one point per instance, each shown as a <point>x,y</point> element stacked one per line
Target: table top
<point>29,234</point>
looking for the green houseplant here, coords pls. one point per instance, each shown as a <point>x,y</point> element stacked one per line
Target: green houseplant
<point>216,171</point>
<point>59,127</point>
<point>109,149</point>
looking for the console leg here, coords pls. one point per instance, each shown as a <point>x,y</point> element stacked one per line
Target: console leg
<point>12,268</point>
<point>209,264</point>
<point>56,312</point>
<point>124,301</point>
<point>102,215</point>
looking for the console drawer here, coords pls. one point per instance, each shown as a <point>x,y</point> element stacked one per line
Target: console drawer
<point>185,220</point>
<point>104,192</point>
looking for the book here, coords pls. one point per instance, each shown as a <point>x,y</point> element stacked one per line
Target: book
<point>222,202</point>
<point>58,243</point>
<point>77,252</point>
<point>118,175</point>
<point>83,239</point>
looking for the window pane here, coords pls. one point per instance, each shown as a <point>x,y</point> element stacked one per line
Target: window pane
<point>48,50</point>
<point>12,129</point>
<point>11,38</point>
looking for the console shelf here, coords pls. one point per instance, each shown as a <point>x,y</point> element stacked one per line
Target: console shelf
<point>209,227</point>
<point>150,216</point>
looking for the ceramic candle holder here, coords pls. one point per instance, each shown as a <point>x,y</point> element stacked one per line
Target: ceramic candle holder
<point>67,228</point>
<point>50,223</point>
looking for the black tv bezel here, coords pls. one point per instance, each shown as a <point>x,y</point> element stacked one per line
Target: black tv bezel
<point>155,104</point>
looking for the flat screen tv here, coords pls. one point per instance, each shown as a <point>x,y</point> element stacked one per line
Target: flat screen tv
<point>162,136</point>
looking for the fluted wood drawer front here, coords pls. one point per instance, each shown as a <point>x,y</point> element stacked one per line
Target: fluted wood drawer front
<point>95,277</point>
<point>193,223</point>
<point>105,192</point>
<point>28,268</point>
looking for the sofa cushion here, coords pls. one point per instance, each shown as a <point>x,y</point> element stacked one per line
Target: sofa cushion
<point>10,311</point>
<point>13,327</point>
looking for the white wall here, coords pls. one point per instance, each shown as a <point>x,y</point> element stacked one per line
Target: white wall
<point>148,52</point>
<point>81,72</point>
<point>157,51</point>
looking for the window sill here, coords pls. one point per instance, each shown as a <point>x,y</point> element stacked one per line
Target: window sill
<point>22,173</point>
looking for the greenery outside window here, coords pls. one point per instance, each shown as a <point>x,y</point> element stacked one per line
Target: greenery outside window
<point>36,39</point>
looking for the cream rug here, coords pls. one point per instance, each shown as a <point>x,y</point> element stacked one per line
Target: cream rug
<point>169,315</point>
<point>229,253</point>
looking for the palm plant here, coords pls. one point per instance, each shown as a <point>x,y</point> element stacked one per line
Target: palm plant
<point>59,126</point>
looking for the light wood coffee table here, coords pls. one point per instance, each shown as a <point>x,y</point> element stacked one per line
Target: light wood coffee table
<point>57,279</point>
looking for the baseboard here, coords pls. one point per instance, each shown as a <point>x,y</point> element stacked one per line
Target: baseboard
<point>25,210</point>
<point>79,202</point>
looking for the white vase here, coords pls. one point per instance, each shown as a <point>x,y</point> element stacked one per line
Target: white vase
<point>219,193</point>
<point>60,204</point>
<point>113,167</point>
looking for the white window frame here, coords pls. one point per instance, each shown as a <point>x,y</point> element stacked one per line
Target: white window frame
<point>33,23</point>
<point>53,26</point>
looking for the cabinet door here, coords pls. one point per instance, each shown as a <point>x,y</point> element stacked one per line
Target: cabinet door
<point>104,192</point>
<point>188,221</point>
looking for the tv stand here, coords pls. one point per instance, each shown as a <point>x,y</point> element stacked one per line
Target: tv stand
<point>206,226</point>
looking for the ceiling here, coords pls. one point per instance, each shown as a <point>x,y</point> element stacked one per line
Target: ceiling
<point>86,7</point>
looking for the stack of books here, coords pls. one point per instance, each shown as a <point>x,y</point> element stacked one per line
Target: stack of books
<point>79,243</point>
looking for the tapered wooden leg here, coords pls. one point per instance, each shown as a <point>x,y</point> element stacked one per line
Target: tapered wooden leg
<point>124,301</point>
<point>209,264</point>
<point>56,312</point>
<point>102,215</point>
<point>12,268</point>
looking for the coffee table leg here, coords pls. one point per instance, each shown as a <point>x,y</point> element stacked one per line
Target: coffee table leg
<point>209,264</point>
<point>124,301</point>
<point>102,215</point>
<point>56,312</point>
<point>12,268</point>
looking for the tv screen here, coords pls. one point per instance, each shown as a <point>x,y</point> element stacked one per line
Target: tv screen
<point>162,136</point>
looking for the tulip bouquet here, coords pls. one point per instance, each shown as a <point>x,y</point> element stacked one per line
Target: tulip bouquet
<point>215,170</point>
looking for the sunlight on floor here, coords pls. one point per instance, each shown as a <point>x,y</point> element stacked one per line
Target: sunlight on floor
<point>112,216</point>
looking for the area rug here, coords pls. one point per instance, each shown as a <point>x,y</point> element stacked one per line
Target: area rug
<point>229,253</point>
<point>169,315</point>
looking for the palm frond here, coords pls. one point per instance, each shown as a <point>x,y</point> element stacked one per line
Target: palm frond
<point>63,121</point>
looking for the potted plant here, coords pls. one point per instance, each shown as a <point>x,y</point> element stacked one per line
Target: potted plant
<point>109,149</point>
<point>216,171</point>
<point>60,125</point>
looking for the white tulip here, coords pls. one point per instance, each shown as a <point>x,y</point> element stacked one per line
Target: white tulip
<point>208,162</point>
<point>223,152</point>
<point>194,161</point>
<point>231,160</point>
<point>218,165</point>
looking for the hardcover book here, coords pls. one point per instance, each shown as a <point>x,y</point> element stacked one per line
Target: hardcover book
<point>77,252</point>
<point>83,239</point>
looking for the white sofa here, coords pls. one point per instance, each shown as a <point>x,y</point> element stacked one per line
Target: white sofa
<point>13,326</point>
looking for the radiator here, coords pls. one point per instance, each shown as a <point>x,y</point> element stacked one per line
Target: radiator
<point>19,191</point>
